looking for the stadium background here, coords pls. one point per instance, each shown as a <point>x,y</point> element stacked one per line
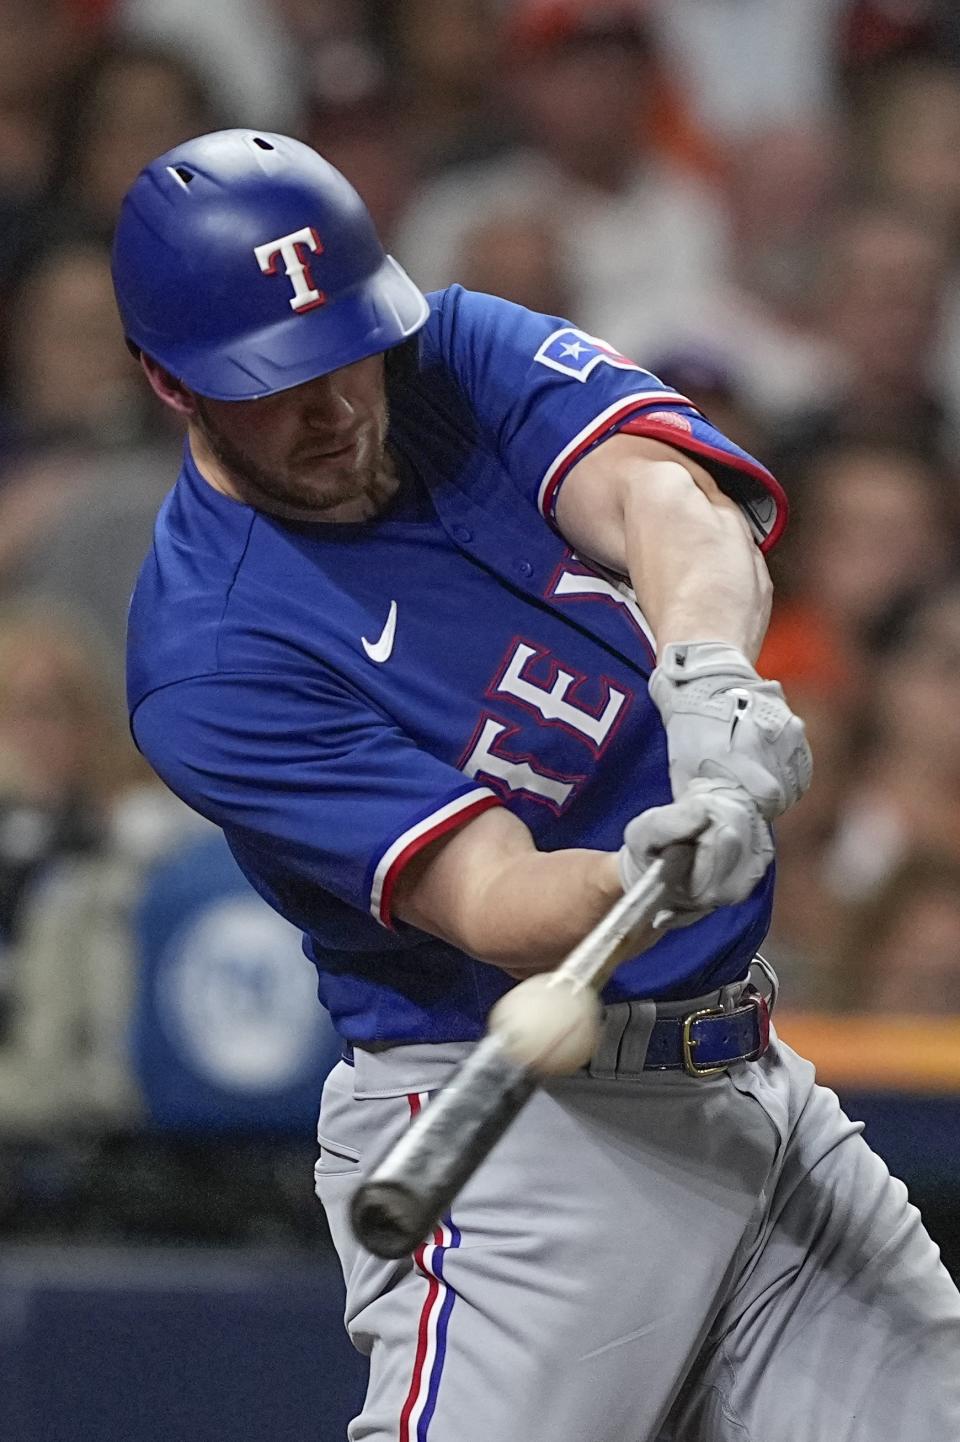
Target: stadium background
<point>759,200</point>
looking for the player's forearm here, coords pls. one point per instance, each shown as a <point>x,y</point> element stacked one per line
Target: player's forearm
<point>540,907</point>
<point>490,892</point>
<point>641,507</point>
<point>696,569</point>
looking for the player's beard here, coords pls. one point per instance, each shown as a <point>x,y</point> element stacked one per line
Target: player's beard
<point>355,490</point>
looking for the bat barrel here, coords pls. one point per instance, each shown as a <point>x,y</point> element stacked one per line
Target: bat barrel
<point>389,1218</point>
<point>399,1204</point>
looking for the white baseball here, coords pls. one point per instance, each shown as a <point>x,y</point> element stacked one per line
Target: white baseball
<point>549,1028</point>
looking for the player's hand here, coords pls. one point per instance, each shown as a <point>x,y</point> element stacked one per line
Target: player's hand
<point>732,847</point>
<point>723,721</point>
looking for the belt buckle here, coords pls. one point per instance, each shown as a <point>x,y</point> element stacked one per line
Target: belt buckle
<point>752,998</point>
<point>688,1042</point>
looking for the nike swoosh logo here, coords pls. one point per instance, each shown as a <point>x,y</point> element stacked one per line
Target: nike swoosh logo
<point>742,703</point>
<point>380,650</point>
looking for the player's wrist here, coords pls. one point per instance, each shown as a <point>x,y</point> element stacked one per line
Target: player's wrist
<point>683,662</point>
<point>610,882</point>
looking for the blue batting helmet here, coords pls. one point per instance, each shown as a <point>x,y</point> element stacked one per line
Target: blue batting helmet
<point>245,264</point>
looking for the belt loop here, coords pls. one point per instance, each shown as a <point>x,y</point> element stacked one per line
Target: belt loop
<point>603,1063</point>
<point>636,1038</point>
<point>730,997</point>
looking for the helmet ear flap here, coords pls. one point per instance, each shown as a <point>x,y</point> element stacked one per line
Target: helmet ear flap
<point>245,264</point>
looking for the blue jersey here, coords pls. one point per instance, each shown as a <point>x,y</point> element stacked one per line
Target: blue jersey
<point>336,696</point>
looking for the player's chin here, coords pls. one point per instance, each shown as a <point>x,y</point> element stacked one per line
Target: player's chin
<point>330,485</point>
<point>341,494</point>
<point>325,482</point>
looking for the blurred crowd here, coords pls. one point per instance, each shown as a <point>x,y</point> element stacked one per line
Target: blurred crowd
<point>759,200</point>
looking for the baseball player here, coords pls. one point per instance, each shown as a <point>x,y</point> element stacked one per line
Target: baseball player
<point>449,623</point>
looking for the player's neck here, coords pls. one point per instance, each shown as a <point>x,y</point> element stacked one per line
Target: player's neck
<point>206,463</point>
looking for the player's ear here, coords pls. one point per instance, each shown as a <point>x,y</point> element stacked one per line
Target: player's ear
<point>171,391</point>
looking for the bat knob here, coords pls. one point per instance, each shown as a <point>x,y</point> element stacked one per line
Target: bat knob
<point>387,1219</point>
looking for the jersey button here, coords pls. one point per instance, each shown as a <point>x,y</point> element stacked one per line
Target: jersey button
<point>462,533</point>
<point>525,568</point>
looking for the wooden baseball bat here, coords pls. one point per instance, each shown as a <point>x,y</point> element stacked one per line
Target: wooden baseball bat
<point>413,1186</point>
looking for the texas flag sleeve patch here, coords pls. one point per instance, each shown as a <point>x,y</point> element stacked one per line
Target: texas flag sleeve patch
<point>574,353</point>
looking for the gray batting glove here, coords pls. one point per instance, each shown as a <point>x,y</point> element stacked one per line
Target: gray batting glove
<point>732,847</point>
<point>723,721</point>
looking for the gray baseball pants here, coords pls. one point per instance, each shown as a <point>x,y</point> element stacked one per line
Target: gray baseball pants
<point>647,1257</point>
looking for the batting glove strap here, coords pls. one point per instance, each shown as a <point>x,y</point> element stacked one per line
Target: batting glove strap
<point>724,722</point>
<point>732,847</point>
